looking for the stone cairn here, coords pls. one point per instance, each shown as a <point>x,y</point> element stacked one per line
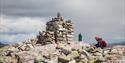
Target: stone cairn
<point>57,30</point>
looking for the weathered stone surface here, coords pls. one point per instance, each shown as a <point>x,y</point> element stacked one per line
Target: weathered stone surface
<point>73,61</point>
<point>59,53</point>
<point>97,54</point>
<point>63,58</point>
<point>98,50</point>
<point>73,54</point>
<point>114,51</point>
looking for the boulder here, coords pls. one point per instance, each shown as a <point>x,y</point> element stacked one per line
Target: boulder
<point>85,60</point>
<point>64,59</point>
<point>97,54</point>
<point>72,61</point>
<point>101,59</point>
<point>113,51</point>
<point>73,54</point>
<point>90,49</point>
<point>53,59</point>
<point>39,59</point>
<point>98,50</point>
<point>85,53</point>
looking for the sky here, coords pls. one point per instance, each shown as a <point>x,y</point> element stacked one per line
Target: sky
<point>23,19</point>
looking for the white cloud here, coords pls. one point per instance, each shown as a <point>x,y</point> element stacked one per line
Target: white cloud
<point>15,29</point>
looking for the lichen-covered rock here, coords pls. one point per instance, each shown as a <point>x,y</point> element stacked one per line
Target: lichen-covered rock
<point>72,61</point>
<point>97,54</point>
<point>98,50</point>
<point>73,54</point>
<point>114,51</point>
<point>39,59</point>
<point>64,59</point>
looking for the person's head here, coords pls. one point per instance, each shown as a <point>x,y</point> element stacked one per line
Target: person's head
<point>98,38</point>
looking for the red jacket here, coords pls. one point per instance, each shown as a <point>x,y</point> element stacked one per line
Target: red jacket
<point>103,43</point>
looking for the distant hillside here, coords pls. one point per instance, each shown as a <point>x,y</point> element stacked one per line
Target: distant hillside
<point>119,43</point>
<point>2,45</point>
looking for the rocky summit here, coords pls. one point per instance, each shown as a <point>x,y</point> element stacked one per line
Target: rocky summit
<point>56,45</point>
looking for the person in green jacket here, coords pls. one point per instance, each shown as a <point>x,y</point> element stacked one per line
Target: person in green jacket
<point>80,37</point>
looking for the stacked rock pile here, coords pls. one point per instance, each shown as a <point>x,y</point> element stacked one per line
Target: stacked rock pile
<point>57,30</point>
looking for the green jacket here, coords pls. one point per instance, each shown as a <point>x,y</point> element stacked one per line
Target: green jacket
<point>80,37</point>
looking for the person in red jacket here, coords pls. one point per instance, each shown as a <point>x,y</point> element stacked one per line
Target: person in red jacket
<point>100,42</point>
